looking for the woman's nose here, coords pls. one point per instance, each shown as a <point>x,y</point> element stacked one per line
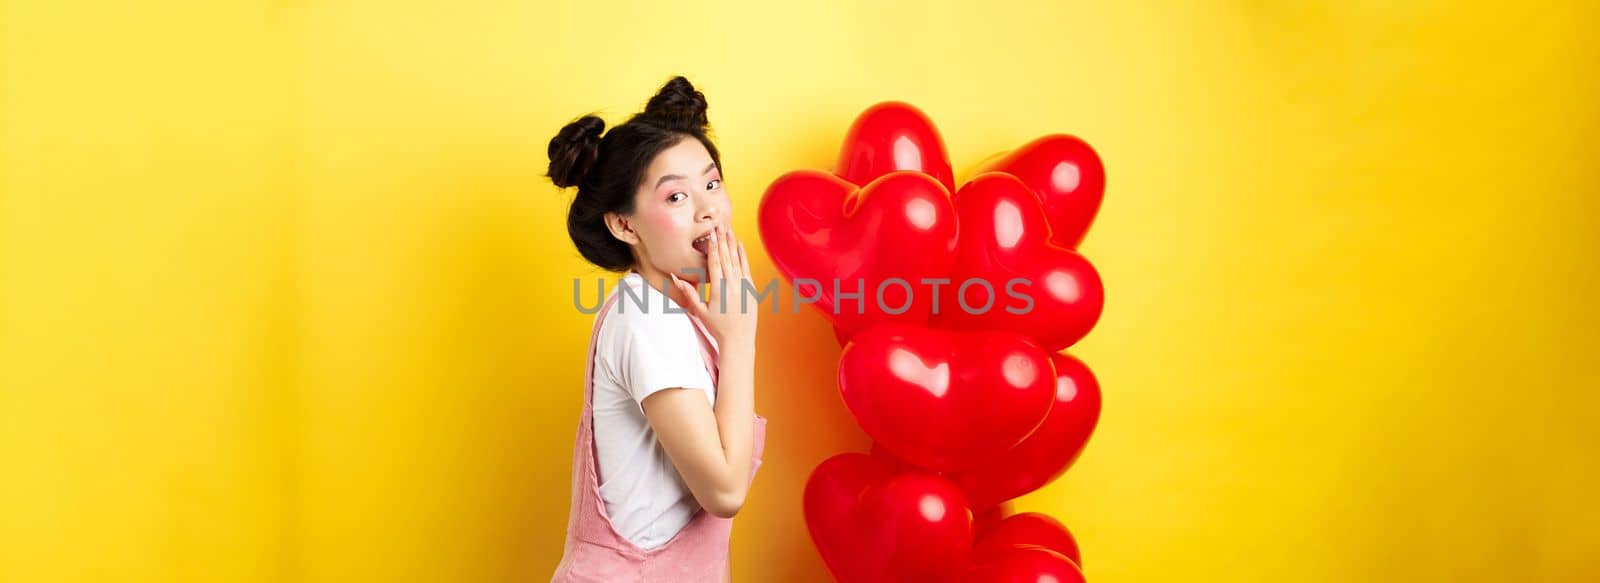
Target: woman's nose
<point>709,212</point>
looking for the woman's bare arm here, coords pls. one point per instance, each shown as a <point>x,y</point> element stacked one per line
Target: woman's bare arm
<point>711,446</point>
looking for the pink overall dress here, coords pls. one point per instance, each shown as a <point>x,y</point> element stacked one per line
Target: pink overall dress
<point>596,552</point>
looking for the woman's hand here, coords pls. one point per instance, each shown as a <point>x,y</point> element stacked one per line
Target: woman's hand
<point>724,312</point>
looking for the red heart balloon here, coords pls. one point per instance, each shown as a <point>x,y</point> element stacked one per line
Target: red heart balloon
<point>1009,276</point>
<point>988,518</point>
<point>1028,528</point>
<point>945,400</point>
<point>900,226</point>
<point>892,136</point>
<point>1049,450</point>
<point>1024,564</point>
<point>1068,178</point>
<point>872,524</point>
<point>894,463</point>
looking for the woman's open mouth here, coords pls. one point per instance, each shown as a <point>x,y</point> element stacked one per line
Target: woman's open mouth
<point>703,244</point>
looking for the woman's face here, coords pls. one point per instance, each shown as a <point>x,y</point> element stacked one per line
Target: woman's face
<point>675,208</point>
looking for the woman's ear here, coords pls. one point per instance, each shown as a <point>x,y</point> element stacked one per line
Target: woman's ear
<point>621,228</point>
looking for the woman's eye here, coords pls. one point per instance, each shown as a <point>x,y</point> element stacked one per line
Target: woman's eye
<point>715,184</point>
<point>677,196</point>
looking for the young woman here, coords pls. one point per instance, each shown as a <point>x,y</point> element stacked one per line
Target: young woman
<point>669,441</point>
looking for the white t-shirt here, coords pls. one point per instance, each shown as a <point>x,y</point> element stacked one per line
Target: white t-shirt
<point>638,352</point>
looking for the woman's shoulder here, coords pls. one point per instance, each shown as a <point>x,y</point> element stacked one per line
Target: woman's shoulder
<point>639,309</point>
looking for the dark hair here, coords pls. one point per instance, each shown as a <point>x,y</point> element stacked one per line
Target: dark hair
<point>609,170</point>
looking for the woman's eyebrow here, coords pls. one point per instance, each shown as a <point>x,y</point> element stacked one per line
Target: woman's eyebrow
<point>669,177</point>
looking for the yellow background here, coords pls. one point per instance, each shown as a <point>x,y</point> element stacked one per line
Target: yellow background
<point>284,297</point>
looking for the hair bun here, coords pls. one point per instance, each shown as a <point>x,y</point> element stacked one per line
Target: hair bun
<point>678,105</point>
<point>573,151</point>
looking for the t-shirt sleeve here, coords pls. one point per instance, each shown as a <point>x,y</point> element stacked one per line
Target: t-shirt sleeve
<point>660,351</point>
